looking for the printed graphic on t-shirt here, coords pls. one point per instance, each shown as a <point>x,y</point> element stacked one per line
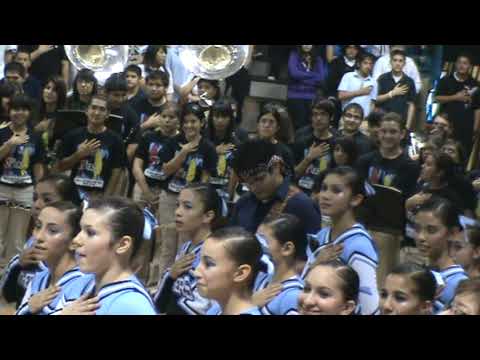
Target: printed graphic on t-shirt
<point>187,174</point>
<point>223,169</point>
<point>89,173</point>
<point>380,176</point>
<point>16,165</point>
<point>314,170</point>
<point>154,169</point>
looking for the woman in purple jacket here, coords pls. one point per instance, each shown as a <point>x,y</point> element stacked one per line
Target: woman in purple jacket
<point>307,73</point>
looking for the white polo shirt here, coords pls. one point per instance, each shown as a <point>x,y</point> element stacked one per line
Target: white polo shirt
<point>353,81</point>
<point>4,48</point>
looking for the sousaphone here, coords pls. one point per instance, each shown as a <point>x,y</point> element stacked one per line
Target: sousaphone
<point>214,62</point>
<point>104,60</point>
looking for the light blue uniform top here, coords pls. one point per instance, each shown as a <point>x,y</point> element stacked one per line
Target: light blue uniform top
<point>40,282</point>
<point>125,297</point>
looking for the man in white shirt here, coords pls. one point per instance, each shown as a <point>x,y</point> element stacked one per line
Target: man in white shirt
<point>376,50</point>
<point>383,65</point>
<point>357,86</point>
<point>3,54</point>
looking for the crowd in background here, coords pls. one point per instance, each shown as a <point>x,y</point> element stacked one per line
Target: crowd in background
<point>144,194</point>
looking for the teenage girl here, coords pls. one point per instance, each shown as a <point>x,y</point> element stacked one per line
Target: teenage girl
<point>198,212</point>
<point>340,193</point>
<point>230,260</point>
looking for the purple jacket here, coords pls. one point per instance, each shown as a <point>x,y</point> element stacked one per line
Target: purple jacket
<point>303,84</point>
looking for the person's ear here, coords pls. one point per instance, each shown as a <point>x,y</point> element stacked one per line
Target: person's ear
<point>288,249</point>
<point>123,245</point>
<point>208,217</point>
<point>356,200</point>
<point>476,253</point>
<point>348,308</point>
<point>242,273</point>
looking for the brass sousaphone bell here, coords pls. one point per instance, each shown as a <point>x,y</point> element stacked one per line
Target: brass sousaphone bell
<point>104,60</point>
<point>214,62</point>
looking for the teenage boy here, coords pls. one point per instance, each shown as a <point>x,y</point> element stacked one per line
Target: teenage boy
<point>15,75</point>
<point>94,153</point>
<point>357,86</point>
<point>133,75</point>
<point>314,152</point>
<point>116,91</point>
<point>395,91</point>
<point>31,85</point>
<point>258,166</point>
<point>390,166</point>
<point>352,117</point>
<point>148,108</point>
<point>459,97</point>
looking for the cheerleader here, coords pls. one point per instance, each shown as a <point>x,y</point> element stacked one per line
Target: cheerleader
<point>198,212</point>
<point>436,221</point>
<point>286,241</point>
<point>111,234</point>
<point>56,226</point>
<point>331,288</point>
<point>340,193</point>
<point>22,267</point>
<point>230,260</point>
<point>467,299</point>
<point>194,161</point>
<point>408,290</point>
<point>464,248</point>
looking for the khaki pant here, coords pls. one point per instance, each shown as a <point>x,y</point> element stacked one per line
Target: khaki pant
<point>389,253</point>
<point>123,184</point>
<point>14,218</point>
<point>168,242</point>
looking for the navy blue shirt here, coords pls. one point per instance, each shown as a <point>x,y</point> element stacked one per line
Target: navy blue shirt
<point>249,212</point>
<point>33,88</point>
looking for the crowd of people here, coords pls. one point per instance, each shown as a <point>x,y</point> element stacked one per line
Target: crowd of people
<point>145,195</point>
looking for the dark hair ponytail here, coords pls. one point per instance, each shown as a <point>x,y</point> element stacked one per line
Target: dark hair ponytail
<point>211,201</point>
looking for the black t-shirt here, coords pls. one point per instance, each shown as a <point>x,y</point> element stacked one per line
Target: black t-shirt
<point>451,193</point>
<point>130,124</point>
<point>137,98</point>
<point>47,64</point>
<point>398,104</point>
<point>363,143</point>
<point>223,170</point>
<point>461,115</point>
<point>155,149</point>
<point>16,169</point>
<point>316,167</point>
<point>401,173</point>
<point>76,104</point>
<point>204,159</point>
<point>33,88</point>
<point>94,172</point>
<point>338,68</point>
<point>286,153</point>
<point>145,109</point>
